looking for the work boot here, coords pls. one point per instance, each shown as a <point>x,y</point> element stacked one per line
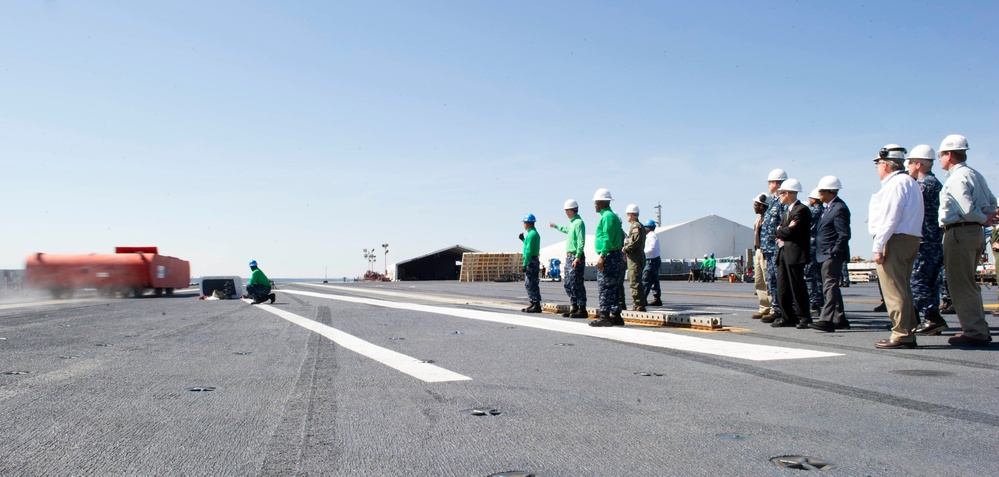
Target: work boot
<point>656,302</point>
<point>769,318</point>
<point>617,319</point>
<point>272,297</point>
<point>947,308</point>
<point>572,309</point>
<point>757,316</point>
<point>534,308</point>
<point>581,313</point>
<point>603,319</point>
<point>882,307</point>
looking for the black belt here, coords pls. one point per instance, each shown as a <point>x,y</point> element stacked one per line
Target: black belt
<point>947,227</point>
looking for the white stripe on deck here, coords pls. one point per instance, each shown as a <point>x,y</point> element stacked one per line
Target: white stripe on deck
<point>752,352</point>
<point>406,364</point>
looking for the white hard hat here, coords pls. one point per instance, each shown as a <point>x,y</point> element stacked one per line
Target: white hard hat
<point>632,209</point>
<point>571,204</point>
<point>830,183</point>
<point>923,152</point>
<point>954,142</point>
<point>791,185</point>
<point>602,194</point>
<point>777,175</point>
<point>891,152</point>
<point>763,198</point>
<point>814,194</point>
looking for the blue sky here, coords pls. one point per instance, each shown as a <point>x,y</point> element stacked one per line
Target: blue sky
<point>299,133</point>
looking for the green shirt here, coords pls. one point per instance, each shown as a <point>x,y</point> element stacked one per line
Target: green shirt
<point>576,240</point>
<point>532,245</point>
<point>609,236</point>
<point>258,278</point>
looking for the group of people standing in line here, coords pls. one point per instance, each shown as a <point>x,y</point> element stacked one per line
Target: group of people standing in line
<point>921,228</point>
<point>635,257</point>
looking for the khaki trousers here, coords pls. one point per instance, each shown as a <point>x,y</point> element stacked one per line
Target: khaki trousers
<point>894,274</point>
<point>760,281</point>
<point>962,247</point>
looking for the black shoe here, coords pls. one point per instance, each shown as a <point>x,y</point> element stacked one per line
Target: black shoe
<point>656,302</point>
<point>930,328</point>
<point>581,313</point>
<point>782,323</point>
<point>272,297</point>
<point>889,344</point>
<point>947,308</point>
<point>770,318</point>
<point>881,307</point>
<point>572,309</point>
<point>820,325</point>
<point>603,320</point>
<point>617,319</point>
<point>845,325</point>
<point>803,323</point>
<point>816,309</point>
<point>534,308</point>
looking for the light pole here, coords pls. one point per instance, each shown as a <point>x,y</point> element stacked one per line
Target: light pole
<point>369,255</point>
<point>385,246</point>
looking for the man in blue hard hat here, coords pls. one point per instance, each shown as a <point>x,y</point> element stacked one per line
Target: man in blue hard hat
<point>259,286</point>
<point>532,264</point>
<point>653,262</point>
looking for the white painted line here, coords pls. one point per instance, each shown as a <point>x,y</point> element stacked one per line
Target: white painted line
<point>659,339</point>
<point>409,365</point>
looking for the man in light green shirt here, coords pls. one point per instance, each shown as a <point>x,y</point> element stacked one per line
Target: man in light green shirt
<point>575,260</point>
<point>259,286</point>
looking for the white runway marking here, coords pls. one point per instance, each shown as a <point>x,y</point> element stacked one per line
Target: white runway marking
<point>752,352</point>
<point>411,366</point>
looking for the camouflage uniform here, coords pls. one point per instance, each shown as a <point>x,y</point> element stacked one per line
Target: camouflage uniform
<point>768,244</point>
<point>929,260</point>
<point>813,272</point>
<point>634,249</point>
<point>995,253</point>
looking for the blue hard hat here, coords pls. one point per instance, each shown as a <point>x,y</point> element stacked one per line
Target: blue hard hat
<point>651,223</point>
<point>530,218</point>
<point>253,263</point>
<point>712,255</point>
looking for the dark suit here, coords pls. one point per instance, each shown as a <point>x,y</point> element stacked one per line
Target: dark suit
<point>832,244</point>
<point>791,260</point>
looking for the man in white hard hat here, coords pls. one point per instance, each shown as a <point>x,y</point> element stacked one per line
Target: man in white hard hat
<point>768,240</point>
<point>793,237</point>
<point>832,247</point>
<point>813,273</point>
<point>966,205</point>
<point>575,260</point>
<point>929,259</point>
<point>760,205</point>
<point>896,221</point>
<point>634,250</point>
<point>608,240</point>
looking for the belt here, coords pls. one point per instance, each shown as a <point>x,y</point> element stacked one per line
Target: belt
<point>947,227</point>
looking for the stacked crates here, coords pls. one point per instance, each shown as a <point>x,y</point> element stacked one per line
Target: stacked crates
<point>491,267</point>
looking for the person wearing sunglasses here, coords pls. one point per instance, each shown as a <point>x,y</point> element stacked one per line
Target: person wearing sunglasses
<point>896,221</point>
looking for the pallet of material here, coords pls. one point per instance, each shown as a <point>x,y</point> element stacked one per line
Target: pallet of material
<point>490,267</point>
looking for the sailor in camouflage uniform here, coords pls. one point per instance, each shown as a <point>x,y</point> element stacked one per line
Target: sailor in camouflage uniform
<point>929,259</point>
<point>768,239</point>
<point>813,272</point>
<point>634,250</point>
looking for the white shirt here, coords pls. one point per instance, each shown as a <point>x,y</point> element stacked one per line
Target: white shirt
<point>896,209</point>
<point>651,245</point>
<point>965,197</point>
